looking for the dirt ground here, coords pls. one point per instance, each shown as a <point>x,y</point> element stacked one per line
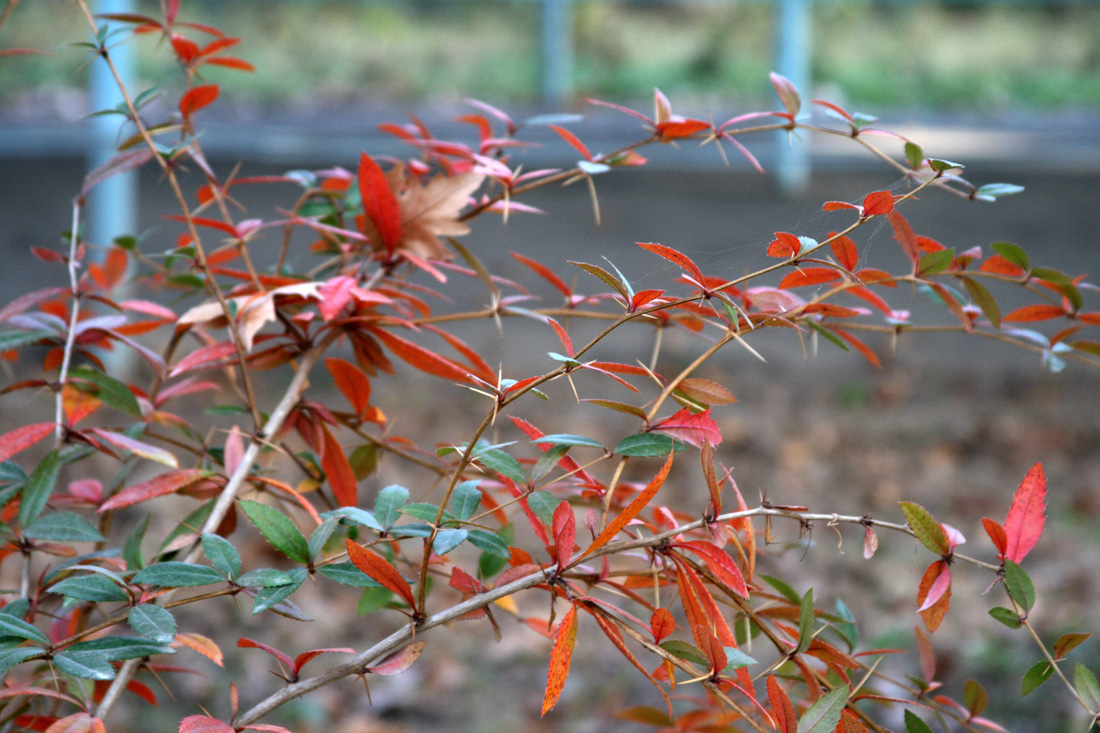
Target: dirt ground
<point>949,422</point>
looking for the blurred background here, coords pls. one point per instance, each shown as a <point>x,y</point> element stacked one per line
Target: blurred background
<point>1011,88</point>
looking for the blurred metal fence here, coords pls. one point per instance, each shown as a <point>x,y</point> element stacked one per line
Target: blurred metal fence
<point>112,207</point>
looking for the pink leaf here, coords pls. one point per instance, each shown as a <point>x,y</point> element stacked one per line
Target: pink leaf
<point>690,428</point>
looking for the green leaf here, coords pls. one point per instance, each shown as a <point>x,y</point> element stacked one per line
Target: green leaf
<point>1050,275</point>
<point>86,665</point>
<point>112,391</point>
<point>806,622</point>
<point>993,191</point>
<point>685,651</point>
<point>359,516</point>
<point>278,530</point>
<point>14,339</point>
<point>783,588</point>
<point>567,439</point>
<point>426,512</point>
<point>387,507</point>
<point>321,535</point>
<point>346,573</point>
<point>412,530</point>
<point>1019,586</point>
<point>647,445</point>
<point>605,276</point>
<point>448,539</point>
<point>829,335</point>
<point>265,578</point>
<point>913,724</point>
<point>62,526</point>
<point>372,600</point>
<point>547,461</point>
<point>190,524</point>
<point>222,555</point>
<point>1014,253</point>
<point>504,464</point>
<point>736,659</point>
<point>823,715</point>
<point>1084,681</point>
<point>39,487</point>
<point>489,542</point>
<point>543,505</point>
<point>1006,616</point>
<point>268,597</point>
<point>985,300</point>
<point>1039,673</point>
<point>935,262</point>
<point>95,588</point>
<point>914,155</point>
<point>12,626</point>
<point>940,165</point>
<point>153,622</point>
<point>846,628</point>
<point>465,499</point>
<point>178,575</point>
<point>11,657</point>
<point>118,648</point>
<point>925,527</point>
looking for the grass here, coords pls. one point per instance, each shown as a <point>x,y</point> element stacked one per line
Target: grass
<point>922,54</point>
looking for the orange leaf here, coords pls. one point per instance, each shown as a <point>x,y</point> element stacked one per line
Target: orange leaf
<point>565,534</point>
<point>690,428</point>
<point>23,438</point>
<point>421,358</point>
<point>338,471</point>
<point>1002,266</point>
<point>204,724</point>
<point>379,203</point>
<point>574,141</point>
<point>878,203</point>
<point>77,723</point>
<point>809,276</point>
<point>662,624</point>
<point>1035,312</point>
<point>672,255</point>
<point>844,249</point>
<point>378,568</point>
<point>903,232</point>
<point>562,654</point>
<point>399,661</point>
<point>202,644</point>
<point>784,245</point>
<point>1025,519</point>
<point>636,506</point>
<point>782,706</point>
<point>934,613</point>
<point>352,383</point>
<point>719,563</point>
<point>197,97</point>
<point>997,536</point>
<point>166,483</point>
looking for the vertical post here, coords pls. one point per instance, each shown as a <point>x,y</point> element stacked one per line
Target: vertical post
<point>557,52</point>
<point>793,39</point>
<point>112,205</point>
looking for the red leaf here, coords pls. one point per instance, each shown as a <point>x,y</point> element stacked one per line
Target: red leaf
<point>1025,519</point>
<point>231,62</point>
<point>335,294</point>
<point>662,624</point>
<point>1036,312</point>
<point>379,202</point>
<point>676,257</point>
<point>844,249</point>
<point>933,613</point>
<point>904,233</point>
<point>562,654</point>
<point>197,97</point>
<point>787,92</point>
<point>581,148</point>
<point>378,568</point>
<point>784,245</point>
<point>166,483</point>
<point>338,471</point>
<point>808,276</point>
<point>939,585</point>
<point>245,643</point>
<point>859,345</point>
<point>203,356</point>
<point>690,428</point>
<point>631,511</point>
<point>782,707</point>
<point>546,273</point>
<point>303,659</point>
<point>997,536</point>
<point>565,534</point>
<point>421,358</point>
<point>878,203</point>
<point>186,49</point>
<point>23,438</point>
<point>642,297</point>
<point>566,342</point>
<point>840,205</point>
<point>77,723</point>
<point>203,724</point>
<point>679,127</point>
<point>719,563</point>
<point>1002,266</point>
<point>352,383</point>
<point>399,661</point>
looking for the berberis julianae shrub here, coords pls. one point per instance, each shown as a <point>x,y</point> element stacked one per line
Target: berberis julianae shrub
<point>543,527</point>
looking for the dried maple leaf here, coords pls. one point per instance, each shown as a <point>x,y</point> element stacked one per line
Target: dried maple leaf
<point>429,211</point>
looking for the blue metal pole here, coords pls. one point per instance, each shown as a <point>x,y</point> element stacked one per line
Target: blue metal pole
<point>557,52</point>
<point>793,39</point>
<point>112,205</point>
